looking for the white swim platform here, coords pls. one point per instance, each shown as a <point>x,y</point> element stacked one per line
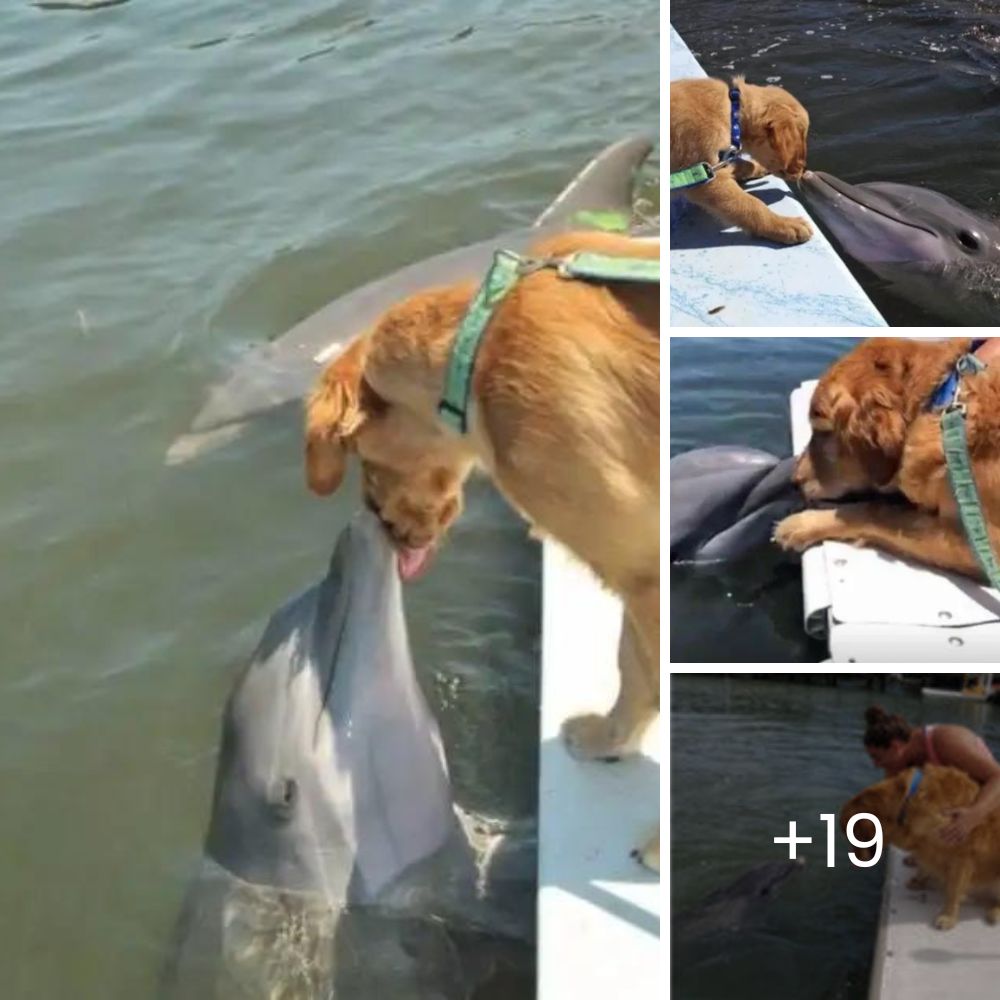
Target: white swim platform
<point>598,910</point>
<point>874,608</point>
<point>916,961</point>
<point>720,276</point>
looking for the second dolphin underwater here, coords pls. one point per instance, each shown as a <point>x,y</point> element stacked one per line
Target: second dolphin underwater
<point>336,865</point>
<point>278,374</point>
<point>926,247</point>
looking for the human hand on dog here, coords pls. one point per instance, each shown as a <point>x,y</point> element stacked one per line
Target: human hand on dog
<point>963,822</point>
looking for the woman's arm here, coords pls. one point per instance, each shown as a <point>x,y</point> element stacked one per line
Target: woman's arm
<point>958,747</point>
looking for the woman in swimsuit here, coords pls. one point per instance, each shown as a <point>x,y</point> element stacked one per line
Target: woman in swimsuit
<point>894,745</point>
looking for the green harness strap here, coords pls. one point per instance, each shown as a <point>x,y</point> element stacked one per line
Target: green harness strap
<point>507,267</point>
<point>601,267</point>
<point>700,173</point>
<point>963,483</point>
<point>453,407</point>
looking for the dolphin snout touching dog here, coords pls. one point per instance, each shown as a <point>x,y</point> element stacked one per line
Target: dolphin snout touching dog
<point>929,248</point>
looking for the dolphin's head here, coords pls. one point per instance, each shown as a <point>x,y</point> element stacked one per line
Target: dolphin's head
<point>925,246</point>
<point>331,776</point>
<point>884,223</point>
<point>762,882</point>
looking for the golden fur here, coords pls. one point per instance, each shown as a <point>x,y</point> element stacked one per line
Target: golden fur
<point>972,864</point>
<point>565,421</point>
<point>774,128</point>
<point>871,432</point>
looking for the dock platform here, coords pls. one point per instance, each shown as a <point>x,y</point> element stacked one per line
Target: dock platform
<point>598,910</point>
<point>916,961</point>
<point>720,276</point>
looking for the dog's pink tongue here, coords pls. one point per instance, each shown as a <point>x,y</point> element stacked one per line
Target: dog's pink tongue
<point>412,562</point>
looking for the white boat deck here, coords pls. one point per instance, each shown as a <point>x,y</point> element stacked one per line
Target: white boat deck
<point>916,961</point>
<point>598,910</point>
<point>720,276</point>
<point>874,608</point>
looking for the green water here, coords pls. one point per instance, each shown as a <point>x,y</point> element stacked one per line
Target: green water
<point>746,757</point>
<point>180,181</point>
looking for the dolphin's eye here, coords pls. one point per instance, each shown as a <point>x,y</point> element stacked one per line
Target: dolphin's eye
<point>968,239</point>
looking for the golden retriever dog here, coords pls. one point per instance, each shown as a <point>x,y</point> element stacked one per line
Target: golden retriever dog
<point>565,420</point>
<point>972,864</point>
<point>774,130</point>
<point>872,431</point>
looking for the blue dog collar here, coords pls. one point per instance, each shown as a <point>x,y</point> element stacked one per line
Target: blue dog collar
<point>918,776</point>
<point>735,136</point>
<point>944,394</point>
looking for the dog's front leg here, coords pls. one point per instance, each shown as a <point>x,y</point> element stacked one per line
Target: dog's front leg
<point>903,531</point>
<point>956,886</point>
<point>726,200</point>
<point>618,734</point>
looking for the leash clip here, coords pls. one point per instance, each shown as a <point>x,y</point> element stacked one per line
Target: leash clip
<point>529,265</point>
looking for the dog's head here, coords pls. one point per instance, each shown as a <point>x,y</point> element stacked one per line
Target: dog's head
<point>883,801</point>
<point>858,423</point>
<point>412,473</point>
<point>783,133</point>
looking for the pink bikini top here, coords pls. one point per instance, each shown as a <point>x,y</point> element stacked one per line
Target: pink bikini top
<point>932,757</point>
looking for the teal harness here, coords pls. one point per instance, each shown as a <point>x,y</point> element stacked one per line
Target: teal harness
<point>504,273</point>
<point>956,453</point>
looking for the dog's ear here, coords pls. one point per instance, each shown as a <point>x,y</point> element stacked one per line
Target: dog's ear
<point>873,426</point>
<point>787,140</point>
<point>334,414</point>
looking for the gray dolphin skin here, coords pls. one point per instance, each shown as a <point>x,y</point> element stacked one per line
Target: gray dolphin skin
<point>733,907</point>
<point>928,248</point>
<point>334,856</point>
<point>724,501</point>
<point>279,373</point>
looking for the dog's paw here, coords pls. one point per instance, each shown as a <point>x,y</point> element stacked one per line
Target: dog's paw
<point>594,737</point>
<point>993,914</point>
<point>945,921</point>
<point>791,230</point>
<point>649,854</point>
<point>798,532</point>
<point>749,170</point>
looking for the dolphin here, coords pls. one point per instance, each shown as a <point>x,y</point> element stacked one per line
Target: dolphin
<point>927,247</point>
<point>278,374</point>
<point>334,856</point>
<point>725,499</point>
<point>734,906</point>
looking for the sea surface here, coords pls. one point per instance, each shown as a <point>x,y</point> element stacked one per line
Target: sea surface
<point>897,90</point>
<point>747,757</point>
<point>178,182</point>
